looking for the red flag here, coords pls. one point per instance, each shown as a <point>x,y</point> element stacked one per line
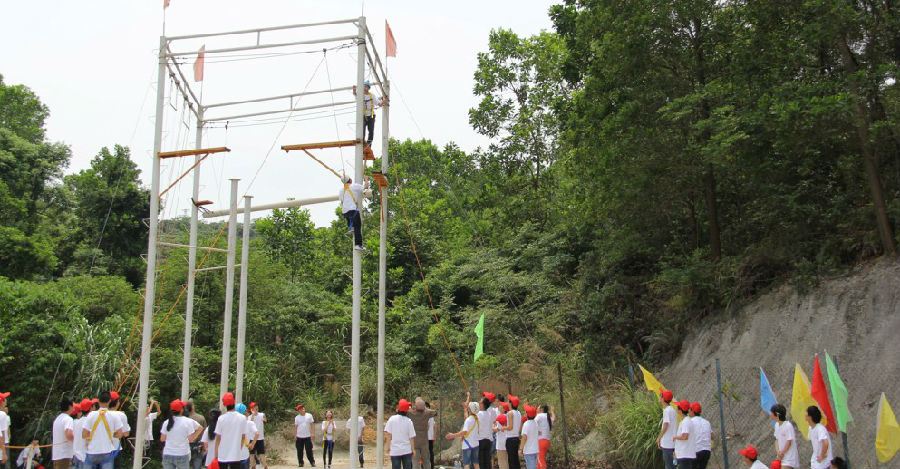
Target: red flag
<point>198,64</point>
<point>820,394</point>
<point>165,3</point>
<point>390,46</point>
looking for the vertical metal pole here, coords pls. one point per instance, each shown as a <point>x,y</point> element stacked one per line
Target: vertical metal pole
<point>359,166</point>
<point>382,267</point>
<point>229,290</point>
<point>722,414</point>
<point>242,302</point>
<point>192,267</point>
<point>562,411</point>
<point>150,292</point>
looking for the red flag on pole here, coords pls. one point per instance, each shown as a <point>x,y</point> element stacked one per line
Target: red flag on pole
<point>390,46</point>
<point>198,64</point>
<point>165,3</point>
<point>820,394</point>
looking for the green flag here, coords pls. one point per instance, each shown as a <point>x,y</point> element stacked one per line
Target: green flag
<point>479,331</point>
<point>839,394</point>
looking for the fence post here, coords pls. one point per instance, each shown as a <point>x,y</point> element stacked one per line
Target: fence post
<point>722,414</point>
<point>562,411</point>
<point>843,434</point>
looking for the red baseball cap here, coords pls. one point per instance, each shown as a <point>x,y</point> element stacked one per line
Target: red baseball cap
<point>505,406</point>
<point>514,400</point>
<point>776,464</point>
<point>696,408</point>
<point>300,406</point>
<point>252,405</point>
<point>213,465</point>
<point>3,396</point>
<point>114,395</point>
<point>86,405</point>
<point>501,419</point>
<point>228,399</point>
<point>95,400</point>
<point>403,405</point>
<point>491,397</point>
<point>176,405</point>
<point>684,405</point>
<point>531,412</point>
<point>750,452</point>
<point>667,395</point>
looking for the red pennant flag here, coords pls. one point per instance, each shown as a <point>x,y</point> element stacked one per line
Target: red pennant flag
<point>390,46</point>
<point>198,64</point>
<point>820,394</point>
<point>165,3</point>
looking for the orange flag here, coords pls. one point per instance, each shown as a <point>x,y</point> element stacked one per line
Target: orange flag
<point>198,64</point>
<point>820,394</point>
<point>390,46</point>
<point>165,3</point>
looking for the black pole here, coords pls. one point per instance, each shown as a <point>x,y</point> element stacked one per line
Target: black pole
<point>562,411</point>
<point>722,414</point>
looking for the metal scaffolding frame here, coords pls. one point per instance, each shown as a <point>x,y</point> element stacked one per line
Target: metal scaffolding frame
<point>169,67</point>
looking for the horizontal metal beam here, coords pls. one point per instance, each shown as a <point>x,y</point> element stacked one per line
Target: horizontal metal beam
<point>174,245</point>
<point>263,46</point>
<point>285,204</point>
<point>320,145</point>
<point>280,111</point>
<point>274,98</point>
<point>261,30</point>
<point>206,269</point>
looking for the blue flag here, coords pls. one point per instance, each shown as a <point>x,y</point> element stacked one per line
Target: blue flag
<point>766,397</point>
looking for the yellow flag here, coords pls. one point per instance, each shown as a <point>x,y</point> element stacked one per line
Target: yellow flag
<point>801,399</point>
<point>887,432</point>
<point>652,383</point>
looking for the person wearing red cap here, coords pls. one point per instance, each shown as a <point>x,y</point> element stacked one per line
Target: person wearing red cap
<point>102,431</point>
<point>231,434</point>
<point>750,455</point>
<point>703,431</point>
<point>666,439</point>
<point>469,435</point>
<point>819,438</point>
<point>500,432</point>
<point>4,429</point>
<point>177,434</point>
<point>63,435</point>
<point>485,435</point>
<point>530,447</point>
<point>785,439</point>
<point>79,444</point>
<point>400,437</point>
<point>259,450</point>
<point>114,412</point>
<point>304,432</point>
<point>685,452</point>
<point>513,431</point>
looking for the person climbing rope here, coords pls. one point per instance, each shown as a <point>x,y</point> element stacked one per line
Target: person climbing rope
<point>350,196</point>
<point>370,102</point>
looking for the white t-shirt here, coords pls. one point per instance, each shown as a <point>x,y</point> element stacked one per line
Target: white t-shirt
<point>485,422</point>
<point>178,438</point>
<point>543,423</point>
<point>62,447</point>
<point>501,436</point>
<point>668,438</point>
<point>4,425</point>
<point>784,432</point>
<point>148,435</point>
<point>210,447</point>
<point>817,436</point>
<point>684,449</point>
<point>32,453</point>
<point>302,422</point>
<point>79,445</point>
<point>102,442</point>
<point>703,431</point>
<point>328,429</point>
<point>123,420</point>
<point>758,465</point>
<point>530,429</point>
<point>260,424</point>
<point>516,418</point>
<point>470,427</point>
<point>359,426</point>
<point>401,430</point>
<point>231,428</point>
<point>249,435</point>
<point>431,429</point>
<point>347,197</point>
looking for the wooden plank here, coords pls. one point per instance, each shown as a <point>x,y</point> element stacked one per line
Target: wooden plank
<point>320,145</point>
<point>199,151</point>
<point>382,181</point>
<point>368,154</point>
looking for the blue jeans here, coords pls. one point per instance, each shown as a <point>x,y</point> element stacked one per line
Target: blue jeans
<point>470,456</point>
<point>669,458</point>
<point>359,448</point>
<point>686,463</point>
<point>100,461</point>
<point>531,461</point>
<point>401,462</point>
<point>176,462</point>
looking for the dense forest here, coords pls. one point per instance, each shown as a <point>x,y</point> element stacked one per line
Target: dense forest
<point>652,163</point>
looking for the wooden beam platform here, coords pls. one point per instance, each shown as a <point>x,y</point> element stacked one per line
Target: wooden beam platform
<point>320,145</point>
<point>199,151</point>
<point>368,154</point>
<point>382,181</point>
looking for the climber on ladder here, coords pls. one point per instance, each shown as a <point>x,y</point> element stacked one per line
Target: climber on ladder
<point>370,102</point>
<point>351,200</point>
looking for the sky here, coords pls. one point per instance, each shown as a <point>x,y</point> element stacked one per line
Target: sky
<point>94,65</point>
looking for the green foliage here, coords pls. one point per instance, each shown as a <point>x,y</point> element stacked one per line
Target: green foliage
<point>287,237</point>
<point>630,426</point>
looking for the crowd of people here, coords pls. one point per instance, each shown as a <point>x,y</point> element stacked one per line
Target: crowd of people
<point>685,439</point>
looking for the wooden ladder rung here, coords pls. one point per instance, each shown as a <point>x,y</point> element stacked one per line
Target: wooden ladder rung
<point>380,179</point>
<point>199,151</point>
<point>320,145</point>
<point>368,154</point>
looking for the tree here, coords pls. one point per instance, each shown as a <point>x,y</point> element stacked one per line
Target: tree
<point>287,237</point>
<point>22,112</point>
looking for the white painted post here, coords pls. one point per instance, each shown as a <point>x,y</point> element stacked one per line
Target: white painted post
<point>357,255</point>
<point>192,266</point>
<point>242,302</point>
<point>229,290</point>
<point>150,292</point>
<point>382,269</point>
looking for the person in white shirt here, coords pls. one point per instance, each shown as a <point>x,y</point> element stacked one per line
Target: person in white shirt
<point>231,434</point>
<point>431,433</point>
<point>209,437</point>
<point>684,438</point>
<point>485,434</point>
<point>29,457</point>
<point>370,102</point>
<point>351,198</point>
<point>102,431</point>
<point>4,429</point>
<point>469,435</point>
<point>359,440</point>
<point>304,432</point>
<point>785,440</point>
<point>703,433</point>
<point>152,414</point>
<point>819,438</point>
<point>328,428</point>
<point>177,433</point>
<point>79,444</point>
<point>666,439</point>
<point>250,434</point>
<point>544,422</point>
<point>400,437</point>
<point>499,430</point>
<point>513,430</point>
<point>530,447</point>
<point>259,450</point>
<point>63,435</point>
<point>114,411</point>
<point>750,455</point>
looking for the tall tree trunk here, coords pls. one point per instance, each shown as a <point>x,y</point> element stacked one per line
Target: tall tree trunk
<point>870,162</point>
